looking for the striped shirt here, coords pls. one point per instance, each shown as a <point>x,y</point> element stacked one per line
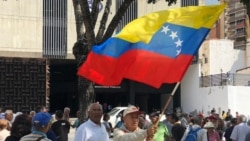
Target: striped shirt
<point>34,136</point>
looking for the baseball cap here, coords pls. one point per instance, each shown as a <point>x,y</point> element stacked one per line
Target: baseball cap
<point>168,113</point>
<point>42,119</point>
<point>209,124</point>
<point>154,114</point>
<point>201,115</point>
<point>212,117</point>
<point>131,109</point>
<point>234,120</point>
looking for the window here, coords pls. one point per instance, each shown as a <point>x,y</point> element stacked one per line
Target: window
<point>130,14</point>
<point>55,28</point>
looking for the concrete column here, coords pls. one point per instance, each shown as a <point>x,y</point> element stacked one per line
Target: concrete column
<point>248,52</point>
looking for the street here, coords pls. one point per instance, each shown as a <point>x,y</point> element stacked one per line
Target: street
<point>71,134</point>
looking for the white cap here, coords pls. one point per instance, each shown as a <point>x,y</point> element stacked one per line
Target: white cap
<point>209,124</point>
<point>131,109</point>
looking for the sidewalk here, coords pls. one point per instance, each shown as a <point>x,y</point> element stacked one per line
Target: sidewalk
<point>71,134</point>
<point>72,130</point>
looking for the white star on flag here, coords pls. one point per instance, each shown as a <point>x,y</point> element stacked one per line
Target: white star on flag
<point>178,51</point>
<point>165,29</point>
<point>173,35</point>
<point>178,43</point>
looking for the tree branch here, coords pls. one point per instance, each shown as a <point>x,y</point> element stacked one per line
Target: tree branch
<point>78,20</point>
<point>103,21</point>
<point>87,20</point>
<point>116,19</point>
<point>95,11</point>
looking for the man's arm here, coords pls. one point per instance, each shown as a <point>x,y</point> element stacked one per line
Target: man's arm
<point>120,135</point>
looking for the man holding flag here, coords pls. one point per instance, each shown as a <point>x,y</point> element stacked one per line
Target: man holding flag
<point>130,130</point>
<point>154,49</point>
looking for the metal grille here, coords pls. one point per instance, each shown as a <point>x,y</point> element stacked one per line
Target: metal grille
<point>189,3</point>
<point>223,79</point>
<point>130,14</point>
<point>55,28</point>
<point>23,84</point>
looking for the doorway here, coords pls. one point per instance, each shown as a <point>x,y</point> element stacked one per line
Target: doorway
<point>63,85</point>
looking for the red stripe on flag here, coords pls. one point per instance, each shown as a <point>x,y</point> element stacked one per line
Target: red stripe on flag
<point>138,65</point>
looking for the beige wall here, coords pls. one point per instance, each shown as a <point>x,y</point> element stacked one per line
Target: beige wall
<point>21,28</point>
<point>71,30</point>
<point>21,24</point>
<point>144,8</point>
<point>204,53</point>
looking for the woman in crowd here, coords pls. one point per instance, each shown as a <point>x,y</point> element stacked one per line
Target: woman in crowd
<point>107,124</point>
<point>212,134</point>
<point>20,127</point>
<point>3,129</point>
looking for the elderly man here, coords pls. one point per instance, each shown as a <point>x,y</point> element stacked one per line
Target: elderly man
<point>241,130</point>
<point>92,129</point>
<point>41,124</point>
<point>9,116</point>
<point>66,113</point>
<point>130,130</point>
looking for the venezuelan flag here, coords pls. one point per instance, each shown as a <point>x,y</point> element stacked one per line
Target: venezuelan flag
<point>154,49</point>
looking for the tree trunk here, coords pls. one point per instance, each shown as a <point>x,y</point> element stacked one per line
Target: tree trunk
<point>85,89</point>
<point>85,40</point>
<point>86,97</point>
<point>80,50</point>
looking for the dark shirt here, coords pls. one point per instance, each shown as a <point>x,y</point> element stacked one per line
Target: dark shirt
<point>51,135</point>
<point>177,131</point>
<point>228,133</point>
<point>12,138</point>
<point>61,129</point>
<point>247,137</point>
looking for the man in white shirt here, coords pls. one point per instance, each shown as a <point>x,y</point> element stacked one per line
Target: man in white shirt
<point>92,129</point>
<point>241,130</point>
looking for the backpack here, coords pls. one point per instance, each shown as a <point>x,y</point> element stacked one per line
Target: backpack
<point>192,134</point>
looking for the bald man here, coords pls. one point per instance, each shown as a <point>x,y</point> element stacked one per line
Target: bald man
<point>92,129</point>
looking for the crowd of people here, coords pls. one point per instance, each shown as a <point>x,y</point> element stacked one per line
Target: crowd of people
<point>133,126</point>
<point>36,126</point>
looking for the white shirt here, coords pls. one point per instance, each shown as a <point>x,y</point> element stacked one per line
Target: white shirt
<point>4,134</point>
<point>240,131</point>
<point>123,134</point>
<point>89,131</point>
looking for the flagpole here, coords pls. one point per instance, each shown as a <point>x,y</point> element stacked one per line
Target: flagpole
<point>168,102</point>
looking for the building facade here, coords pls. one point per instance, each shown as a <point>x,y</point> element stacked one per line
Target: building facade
<point>216,81</point>
<point>38,66</point>
<point>235,21</point>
